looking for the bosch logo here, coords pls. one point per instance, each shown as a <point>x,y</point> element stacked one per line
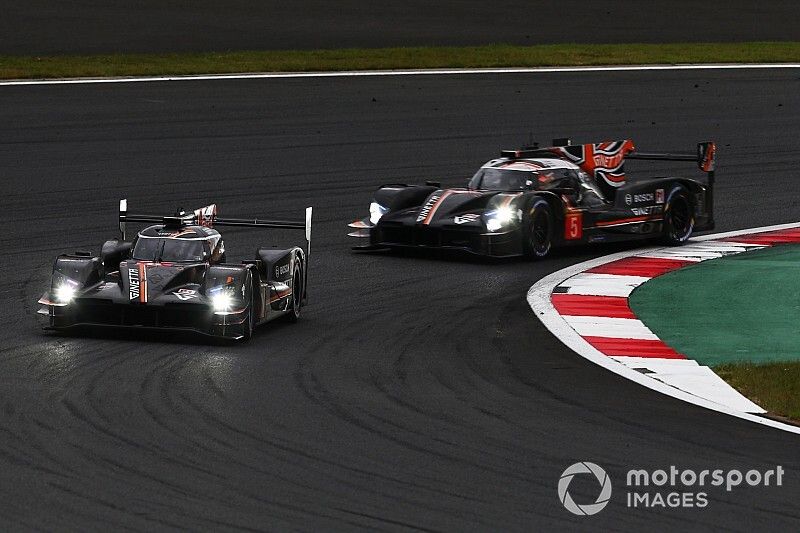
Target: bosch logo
<point>281,270</point>
<point>628,199</point>
<point>586,509</point>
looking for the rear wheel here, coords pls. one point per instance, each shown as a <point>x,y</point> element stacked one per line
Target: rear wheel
<point>538,230</point>
<point>297,294</point>
<point>678,218</point>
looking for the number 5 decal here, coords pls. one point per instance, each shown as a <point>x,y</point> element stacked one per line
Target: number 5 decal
<point>573,226</point>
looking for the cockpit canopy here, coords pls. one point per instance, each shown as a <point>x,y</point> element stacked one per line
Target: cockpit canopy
<point>563,177</point>
<point>169,249</point>
<point>188,244</point>
<point>516,175</point>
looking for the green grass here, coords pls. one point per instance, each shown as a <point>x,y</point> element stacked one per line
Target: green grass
<point>773,386</point>
<point>18,67</point>
<point>741,308</point>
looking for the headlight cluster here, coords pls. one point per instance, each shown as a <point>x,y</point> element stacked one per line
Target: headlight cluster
<point>222,301</point>
<point>376,211</point>
<point>500,217</point>
<point>64,292</point>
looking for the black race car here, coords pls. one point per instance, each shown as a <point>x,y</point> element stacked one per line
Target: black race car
<point>173,275</point>
<point>532,199</point>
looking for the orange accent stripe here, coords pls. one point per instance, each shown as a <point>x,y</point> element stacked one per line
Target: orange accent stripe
<point>280,295</point>
<point>142,283</point>
<point>632,220</point>
<point>435,207</point>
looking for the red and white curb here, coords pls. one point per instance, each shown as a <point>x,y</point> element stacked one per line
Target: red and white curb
<point>586,307</point>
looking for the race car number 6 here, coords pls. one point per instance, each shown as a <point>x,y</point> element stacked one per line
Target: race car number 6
<point>573,226</point>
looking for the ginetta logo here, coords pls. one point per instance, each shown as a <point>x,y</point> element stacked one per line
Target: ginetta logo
<point>133,283</point>
<point>423,213</point>
<point>608,161</point>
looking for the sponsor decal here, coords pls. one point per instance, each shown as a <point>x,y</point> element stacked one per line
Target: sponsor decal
<point>205,215</point>
<point>426,209</point>
<point>281,270</point>
<point>134,287</point>
<point>641,198</point>
<point>706,152</point>
<point>659,196</point>
<point>647,210</point>
<point>186,294</point>
<point>604,161</point>
<point>463,219</point>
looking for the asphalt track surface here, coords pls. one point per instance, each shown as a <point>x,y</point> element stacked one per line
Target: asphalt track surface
<point>417,392</point>
<point>58,27</point>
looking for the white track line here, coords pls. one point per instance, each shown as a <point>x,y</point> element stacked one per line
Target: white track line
<point>406,72</point>
<point>610,328</point>
<point>539,300</point>
<point>589,284</point>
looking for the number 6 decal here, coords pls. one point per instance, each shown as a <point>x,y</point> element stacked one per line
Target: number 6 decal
<point>573,226</point>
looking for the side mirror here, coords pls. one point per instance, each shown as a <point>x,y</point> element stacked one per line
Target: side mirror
<point>113,252</point>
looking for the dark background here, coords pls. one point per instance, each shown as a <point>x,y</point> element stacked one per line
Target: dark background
<point>104,26</point>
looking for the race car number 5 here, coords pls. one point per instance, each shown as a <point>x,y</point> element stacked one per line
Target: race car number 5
<point>573,226</point>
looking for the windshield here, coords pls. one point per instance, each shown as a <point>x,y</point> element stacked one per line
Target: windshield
<point>497,179</point>
<point>149,249</point>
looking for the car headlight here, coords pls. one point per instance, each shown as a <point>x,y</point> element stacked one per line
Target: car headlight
<point>64,292</point>
<point>221,302</point>
<point>502,216</point>
<point>376,211</point>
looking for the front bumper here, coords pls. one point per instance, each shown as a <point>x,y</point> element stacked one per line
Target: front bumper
<point>87,313</point>
<point>499,244</point>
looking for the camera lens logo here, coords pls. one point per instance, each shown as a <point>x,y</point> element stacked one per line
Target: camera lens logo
<point>584,468</point>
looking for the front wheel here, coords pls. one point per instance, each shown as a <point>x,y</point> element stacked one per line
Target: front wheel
<point>678,218</point>
<point>538,230</point>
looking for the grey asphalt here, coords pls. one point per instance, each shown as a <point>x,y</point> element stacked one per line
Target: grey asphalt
<point>57,27</point>
<point>417,392</point>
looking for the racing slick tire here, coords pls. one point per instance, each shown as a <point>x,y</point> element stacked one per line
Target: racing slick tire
<point>678,218</point>
<point>297,294</point>
<point>537,230</point>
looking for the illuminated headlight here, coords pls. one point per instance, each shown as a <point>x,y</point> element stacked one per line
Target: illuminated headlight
<point>376,211</point>
<point>64,293</point>
<point>502,216</point>
<point>221,302</point>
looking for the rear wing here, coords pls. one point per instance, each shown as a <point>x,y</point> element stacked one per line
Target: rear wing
<point>207,216</point>
<point>704,156</point>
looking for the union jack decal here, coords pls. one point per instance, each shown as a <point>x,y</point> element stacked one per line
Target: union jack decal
<point>604,161</point>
